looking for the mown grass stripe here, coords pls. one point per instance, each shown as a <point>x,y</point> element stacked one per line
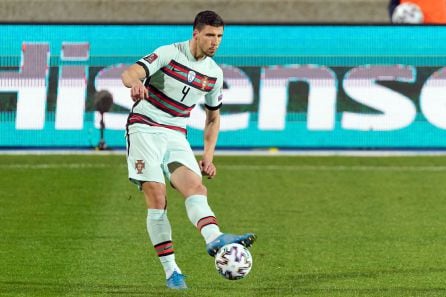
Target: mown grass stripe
<point>245,167</point>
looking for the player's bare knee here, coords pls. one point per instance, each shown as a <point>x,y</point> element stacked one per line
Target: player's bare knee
<point>155,195</point>
<point>200,189</point>
<point>157,202</point>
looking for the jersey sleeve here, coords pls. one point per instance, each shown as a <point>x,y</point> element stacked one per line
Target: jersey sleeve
<point>156,60</point>
<point>213,99</point>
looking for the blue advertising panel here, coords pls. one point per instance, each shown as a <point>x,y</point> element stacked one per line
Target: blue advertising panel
<point>288,86</point>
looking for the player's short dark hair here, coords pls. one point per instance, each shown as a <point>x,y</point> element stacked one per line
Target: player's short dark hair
<point>208,17</point>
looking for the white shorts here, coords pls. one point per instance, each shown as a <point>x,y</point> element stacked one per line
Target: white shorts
<point>150,152</point>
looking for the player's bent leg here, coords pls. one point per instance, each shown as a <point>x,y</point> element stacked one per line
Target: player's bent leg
<point>200,214</point>
<point>186,181</point>
<point>189,184</point>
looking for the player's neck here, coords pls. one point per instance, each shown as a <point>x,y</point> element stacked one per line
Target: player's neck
<point>196,53</point>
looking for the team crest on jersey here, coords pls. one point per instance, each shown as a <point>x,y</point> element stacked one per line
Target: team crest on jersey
<point>150,58</point>
<point>191,76</point>
<point>204,82</point>
<point>139,166</point>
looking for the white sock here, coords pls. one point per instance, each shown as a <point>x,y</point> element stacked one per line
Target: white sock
<point>169,265</point>
<point>160,233</point>
<point>201,215</point>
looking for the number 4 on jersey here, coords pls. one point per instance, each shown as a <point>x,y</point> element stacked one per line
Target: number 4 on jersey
<point>185,91</point>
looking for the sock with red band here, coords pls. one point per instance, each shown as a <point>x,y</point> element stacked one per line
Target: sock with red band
<point>201,215</point>
<point>160,233</point>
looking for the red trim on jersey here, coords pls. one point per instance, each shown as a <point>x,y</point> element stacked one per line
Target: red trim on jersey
<point>186,110</point>
<point>181,72</point>
<point>164,108</point>
<point>136,118</point>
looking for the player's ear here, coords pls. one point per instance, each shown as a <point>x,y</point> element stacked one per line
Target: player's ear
<point>195,33</point>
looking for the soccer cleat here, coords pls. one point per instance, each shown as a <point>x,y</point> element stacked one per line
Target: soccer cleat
<point>176,281</point>
<point>246,240</point>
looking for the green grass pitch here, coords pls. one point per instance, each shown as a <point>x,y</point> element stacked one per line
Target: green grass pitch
<point>72,225</point>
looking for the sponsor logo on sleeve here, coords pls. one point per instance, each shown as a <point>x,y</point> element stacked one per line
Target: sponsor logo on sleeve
<point>150,58</point>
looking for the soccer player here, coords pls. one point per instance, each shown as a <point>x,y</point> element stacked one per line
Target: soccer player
<point>165,86</point>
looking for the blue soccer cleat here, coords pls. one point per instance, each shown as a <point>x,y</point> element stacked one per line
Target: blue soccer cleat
<point>246,240</point>
<point>176,281</point>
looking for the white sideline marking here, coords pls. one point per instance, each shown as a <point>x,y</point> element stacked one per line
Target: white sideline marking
<point>242,167</point>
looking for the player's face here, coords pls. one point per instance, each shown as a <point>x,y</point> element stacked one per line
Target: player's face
<point>208,40</point>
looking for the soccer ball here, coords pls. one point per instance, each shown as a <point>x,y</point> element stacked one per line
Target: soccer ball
<point>407,13</point>
<point>233,261</point>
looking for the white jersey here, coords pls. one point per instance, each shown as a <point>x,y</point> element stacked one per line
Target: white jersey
<point>176,81</point>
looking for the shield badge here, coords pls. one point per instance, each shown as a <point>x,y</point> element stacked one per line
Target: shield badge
<point>191,76</point>
<point>139,166</point>
<point>204,82</point>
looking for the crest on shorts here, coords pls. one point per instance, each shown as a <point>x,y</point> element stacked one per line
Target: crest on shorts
<point>139,166</point>
<point>191,76</point>
<point>150,58</point>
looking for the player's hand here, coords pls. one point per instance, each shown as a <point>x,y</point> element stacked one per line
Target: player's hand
<point>138,91</point>
<point>208,168</point>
